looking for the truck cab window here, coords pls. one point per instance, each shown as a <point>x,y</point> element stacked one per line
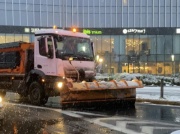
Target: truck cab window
<point>42,47</point>
<point>50,47</point>
<point>59,47</point>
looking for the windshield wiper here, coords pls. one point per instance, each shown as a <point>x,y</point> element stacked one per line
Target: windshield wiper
<point>77,56</point>
<point>68,55</point>
<point>88,58</point>
<point>84,57</point>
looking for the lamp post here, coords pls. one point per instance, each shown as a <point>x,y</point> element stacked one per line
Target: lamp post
<point>99,62</point>
<point>100,65</point>
<point>97,58</point>
<point>172,58</point>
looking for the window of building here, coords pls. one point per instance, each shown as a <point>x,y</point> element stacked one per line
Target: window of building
<point>18,37</point>
<point>16,15</point>
<point>9,38</point>
<point>160,68</point>
<point>168,44</point>
<point>137,46</point>
<point>176,44</point>
<point>2,38</point>
<point>26,38</point>
<point>2,6</point>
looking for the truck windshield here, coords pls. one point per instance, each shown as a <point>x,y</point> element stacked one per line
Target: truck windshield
<point>78,48</point>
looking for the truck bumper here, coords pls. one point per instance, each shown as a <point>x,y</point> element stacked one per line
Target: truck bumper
<point>51,88</point>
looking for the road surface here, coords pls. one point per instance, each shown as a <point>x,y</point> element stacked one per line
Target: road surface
<point>145,118</point>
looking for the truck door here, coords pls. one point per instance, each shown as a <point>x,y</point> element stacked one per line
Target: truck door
<point>45,57</point>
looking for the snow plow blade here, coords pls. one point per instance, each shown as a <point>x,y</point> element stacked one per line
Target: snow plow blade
<point>89,92</point>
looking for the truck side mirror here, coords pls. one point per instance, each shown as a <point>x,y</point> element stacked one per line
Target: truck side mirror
<point>92,47</point>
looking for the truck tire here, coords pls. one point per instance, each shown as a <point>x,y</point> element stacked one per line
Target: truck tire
<point>36,94</point>
<point>45,100</point>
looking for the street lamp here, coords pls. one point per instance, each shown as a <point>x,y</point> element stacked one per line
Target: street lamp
<point>97,58</point>
<point>99,62</point>
<point>172,58</point>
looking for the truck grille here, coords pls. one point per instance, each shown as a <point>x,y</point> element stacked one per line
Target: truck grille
<point>71,74</point>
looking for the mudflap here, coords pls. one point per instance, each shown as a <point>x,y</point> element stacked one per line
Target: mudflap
<point>22,89</point>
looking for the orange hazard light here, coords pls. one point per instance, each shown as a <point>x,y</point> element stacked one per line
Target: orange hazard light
<point>74,30</point>
<point>54,27</point>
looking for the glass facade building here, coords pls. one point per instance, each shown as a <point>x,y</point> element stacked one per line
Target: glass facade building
<point>135,36</point>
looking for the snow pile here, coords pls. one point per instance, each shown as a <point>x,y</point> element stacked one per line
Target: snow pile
<point>177,80</point>
<point>150,80</point>
<point>126,76</point>
<point>170,93</point>
<point>176,132</point>
<point>103,77</point>
<point>147,79</point>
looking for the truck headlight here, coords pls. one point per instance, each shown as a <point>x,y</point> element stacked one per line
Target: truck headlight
<point>0,99</point>
<point>59,84</point>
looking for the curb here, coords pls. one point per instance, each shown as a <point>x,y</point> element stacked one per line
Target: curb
<point>166,102</point>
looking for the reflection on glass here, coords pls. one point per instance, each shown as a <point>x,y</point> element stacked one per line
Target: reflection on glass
<point>18,37</point>
<point>137,46</point>
<point>78,48</point>
<point>9,38</point>
<point>26,38</point>
<point>2,38</point>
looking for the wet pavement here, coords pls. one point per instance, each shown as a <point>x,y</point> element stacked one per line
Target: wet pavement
<point>22,119</point>
<point>146,118</point>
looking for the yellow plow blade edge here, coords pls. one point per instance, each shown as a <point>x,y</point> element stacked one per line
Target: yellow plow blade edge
<point>99,91</point>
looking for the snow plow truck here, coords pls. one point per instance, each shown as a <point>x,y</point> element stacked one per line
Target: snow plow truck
<point>59,63</point>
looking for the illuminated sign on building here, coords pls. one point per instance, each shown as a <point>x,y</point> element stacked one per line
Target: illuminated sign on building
<point>178,30</point>
<point>30,30</point>
<point>88,31</point>
<point>139,31</point>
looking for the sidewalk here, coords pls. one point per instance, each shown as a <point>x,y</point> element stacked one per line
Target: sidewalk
<point>171,95</point>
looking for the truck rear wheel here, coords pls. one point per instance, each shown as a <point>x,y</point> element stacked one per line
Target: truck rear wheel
<point>44,100</point>
<point>36,94</point>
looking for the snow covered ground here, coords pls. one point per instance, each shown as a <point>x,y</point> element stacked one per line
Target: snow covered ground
<point>171,93</point>
<point>151,90</point>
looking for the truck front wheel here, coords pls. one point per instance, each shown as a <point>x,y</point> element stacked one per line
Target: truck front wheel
<point>36,94</point>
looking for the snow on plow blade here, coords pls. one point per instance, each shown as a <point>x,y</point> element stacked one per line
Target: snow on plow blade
<point>99,91</point>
